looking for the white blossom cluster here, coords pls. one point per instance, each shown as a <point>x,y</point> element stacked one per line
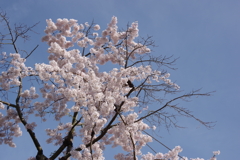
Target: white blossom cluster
<point>73,77</point>
<point>9,127</point>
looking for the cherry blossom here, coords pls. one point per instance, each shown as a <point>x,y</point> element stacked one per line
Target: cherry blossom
<point>98,107</point>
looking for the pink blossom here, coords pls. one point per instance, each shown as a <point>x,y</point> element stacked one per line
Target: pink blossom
<point>96,27</point>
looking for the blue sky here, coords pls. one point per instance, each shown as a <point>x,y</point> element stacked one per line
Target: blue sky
<point>204,34</point>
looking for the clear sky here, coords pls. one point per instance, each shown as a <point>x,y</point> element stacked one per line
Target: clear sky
<point>204,34</point>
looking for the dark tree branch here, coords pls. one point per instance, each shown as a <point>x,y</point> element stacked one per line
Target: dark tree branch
<point>31,52</point>
<point>168,103</point>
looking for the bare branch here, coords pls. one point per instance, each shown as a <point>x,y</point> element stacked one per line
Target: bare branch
<point>31,52</point>
<point>172,100</point>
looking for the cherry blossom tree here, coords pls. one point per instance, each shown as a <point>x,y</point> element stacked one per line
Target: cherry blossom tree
<point>92,106</point>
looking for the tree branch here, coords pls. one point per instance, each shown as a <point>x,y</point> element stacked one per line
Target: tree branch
<point>24,122</point>
<point>180,97</point>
